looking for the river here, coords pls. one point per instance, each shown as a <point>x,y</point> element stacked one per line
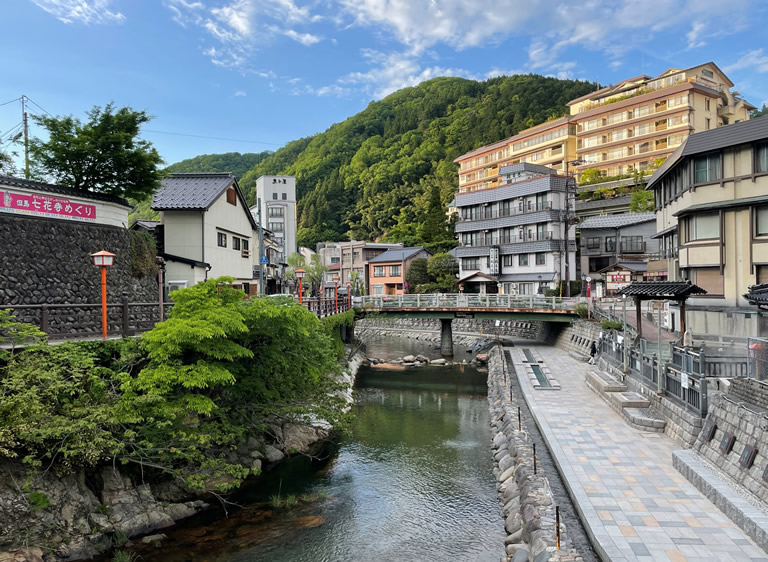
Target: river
<point>412,481</point>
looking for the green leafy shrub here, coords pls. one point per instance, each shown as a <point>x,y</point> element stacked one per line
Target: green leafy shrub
<point>611,324</point>
<point>581,309</point>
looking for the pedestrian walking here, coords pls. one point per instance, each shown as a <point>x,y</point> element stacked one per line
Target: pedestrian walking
<point>592,352</point>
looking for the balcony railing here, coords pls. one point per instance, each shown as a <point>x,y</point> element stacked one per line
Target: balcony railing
<point>508,239</point>
<point>521,208</point>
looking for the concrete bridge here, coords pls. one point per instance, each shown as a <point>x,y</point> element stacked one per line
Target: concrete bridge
<point>446,307</point>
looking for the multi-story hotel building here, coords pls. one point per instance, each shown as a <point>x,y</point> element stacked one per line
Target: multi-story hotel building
<point>627,127</point>
<point>712,223</point>
<point>618,129</point>
<point>277,204</point>
<point>512,236</point>
<point>548,144</point>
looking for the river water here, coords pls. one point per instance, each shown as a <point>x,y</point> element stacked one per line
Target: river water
<point>412,481</point>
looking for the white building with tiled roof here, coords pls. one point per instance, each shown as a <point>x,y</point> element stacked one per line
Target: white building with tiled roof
<point>207,230</point>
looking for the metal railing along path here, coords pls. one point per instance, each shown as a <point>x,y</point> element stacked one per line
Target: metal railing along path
<point>466,301</point>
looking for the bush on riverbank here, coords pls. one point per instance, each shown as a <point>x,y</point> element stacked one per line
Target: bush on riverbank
<point>180,399</point>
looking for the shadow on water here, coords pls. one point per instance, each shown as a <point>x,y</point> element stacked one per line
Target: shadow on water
<point>412,481</point>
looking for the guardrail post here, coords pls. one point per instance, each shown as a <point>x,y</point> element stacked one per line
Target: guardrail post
<point>44,318</point>
<point>703,402</point>
<point>126,328</point>
<point>702,362</point>
<point>418,300</point>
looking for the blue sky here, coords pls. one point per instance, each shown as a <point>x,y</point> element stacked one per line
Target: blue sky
<point>271,71</point>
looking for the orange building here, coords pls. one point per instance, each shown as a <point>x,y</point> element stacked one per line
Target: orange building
<point>387,271</point>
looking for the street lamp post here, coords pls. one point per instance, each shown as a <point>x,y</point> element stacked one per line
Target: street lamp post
<point>349,294</point>
<point>103,259</point>
<point>300,275</point>
<point>624,338</point>
<point>588,279</point>
<point>660,382</point>
<point>576,162</point>
<point>336,294</point>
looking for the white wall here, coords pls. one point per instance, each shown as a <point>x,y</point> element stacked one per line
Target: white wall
<point>270,191</point>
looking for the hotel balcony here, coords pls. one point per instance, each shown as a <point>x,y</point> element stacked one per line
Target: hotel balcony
<point>484,241</point>
<point>519,209</point>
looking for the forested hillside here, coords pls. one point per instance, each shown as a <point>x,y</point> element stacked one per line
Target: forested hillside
<point>233,162</point>
<point>370,176</point>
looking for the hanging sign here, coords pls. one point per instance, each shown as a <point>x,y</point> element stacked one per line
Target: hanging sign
<point>46,206</point>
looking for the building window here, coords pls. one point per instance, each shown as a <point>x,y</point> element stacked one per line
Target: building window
<point>334,260</point>
<point>470,263</point>
<point>707,73</point>
<point>610,244</point>
<point>394,271</point>
<point>507,261</point>
<point>704,227</point>
<point>593,243</point>
<point>222,239</point>
<point>378,271</point>
<point>274,196</point>
<point>275,226</point>
<point>541,258</point>
<point>709,279</point>
<point>275,211</point>
<point>246,248</point>
<point>522,259</point>
<point>707,124</point>
<point>706,102</point>
<point>761,157</point>
<point>285,196</point>
<point>761,222</point>
<point>378,289</point>
<point>231,196</point>
<point>632,244</point>
<point>706,168</point>
<point>235,243</point>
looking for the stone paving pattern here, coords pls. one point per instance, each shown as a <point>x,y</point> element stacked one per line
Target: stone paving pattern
<point>632,500</point>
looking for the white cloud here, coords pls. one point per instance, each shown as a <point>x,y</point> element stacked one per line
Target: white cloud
<point>395,71</point>
<point>240,94</point>
<point>306,39</point>
<point>236,17</point>
<point>693,35</point>
<point>82,11</point>
<point>754,60</point>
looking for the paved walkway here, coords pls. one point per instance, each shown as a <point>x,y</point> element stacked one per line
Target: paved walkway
<point>631,498</point>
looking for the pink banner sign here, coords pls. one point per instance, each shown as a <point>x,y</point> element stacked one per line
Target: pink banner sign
<point>46,206</point>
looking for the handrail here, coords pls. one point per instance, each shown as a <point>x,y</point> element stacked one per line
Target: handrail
<point>469,300</point>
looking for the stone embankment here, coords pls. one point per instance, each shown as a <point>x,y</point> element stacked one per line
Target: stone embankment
<point>77,516</point>
<point>525,495</point>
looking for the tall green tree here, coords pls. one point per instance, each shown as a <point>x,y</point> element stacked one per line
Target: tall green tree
<point>102,155</point>
<point>433,229</point>
<point>442,269</point>
<point>417,275</point>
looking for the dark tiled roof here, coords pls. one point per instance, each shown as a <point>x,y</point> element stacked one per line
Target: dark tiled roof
<point>661,289</point>
<point>617,221</point>
<point>715,139</point>
<point>758,294</point>
<point>397,254</point>
<point>636,266</point>
<point>146,225</point>
<point>194,192</point>
<point>61,190</point>
<point>188,261</point>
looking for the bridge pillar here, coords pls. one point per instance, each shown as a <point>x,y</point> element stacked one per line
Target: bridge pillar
<point>446,337</point>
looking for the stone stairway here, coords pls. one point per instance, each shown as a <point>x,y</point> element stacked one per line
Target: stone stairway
<point>634,407</point>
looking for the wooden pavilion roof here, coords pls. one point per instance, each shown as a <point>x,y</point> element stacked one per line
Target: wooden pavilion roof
<point>649,290</point>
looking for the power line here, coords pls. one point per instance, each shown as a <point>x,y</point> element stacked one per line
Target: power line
<point>10,101</point>
<point>10,131</point>
<point>207,137</point>
<point>40,106</point>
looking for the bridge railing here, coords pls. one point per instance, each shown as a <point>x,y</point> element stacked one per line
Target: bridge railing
<point>323,307</point>
<point>465,300</point>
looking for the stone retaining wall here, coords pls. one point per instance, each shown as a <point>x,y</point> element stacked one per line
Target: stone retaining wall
<point>749,391</point>
<point>578,336</point>
<point>537,331</point>
<point>749,428</point>
<point>527,504</point>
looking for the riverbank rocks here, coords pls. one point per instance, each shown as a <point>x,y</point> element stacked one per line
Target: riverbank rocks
<point>525,498</point>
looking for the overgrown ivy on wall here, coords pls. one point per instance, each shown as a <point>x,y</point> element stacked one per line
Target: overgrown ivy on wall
<point>143,253</point>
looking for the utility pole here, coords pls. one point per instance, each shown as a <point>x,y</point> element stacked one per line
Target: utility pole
<point>261,250</point>
<point>26,135</point>
<point>576,162</point>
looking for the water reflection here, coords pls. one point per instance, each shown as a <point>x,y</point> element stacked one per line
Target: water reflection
<point>412,482</point>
